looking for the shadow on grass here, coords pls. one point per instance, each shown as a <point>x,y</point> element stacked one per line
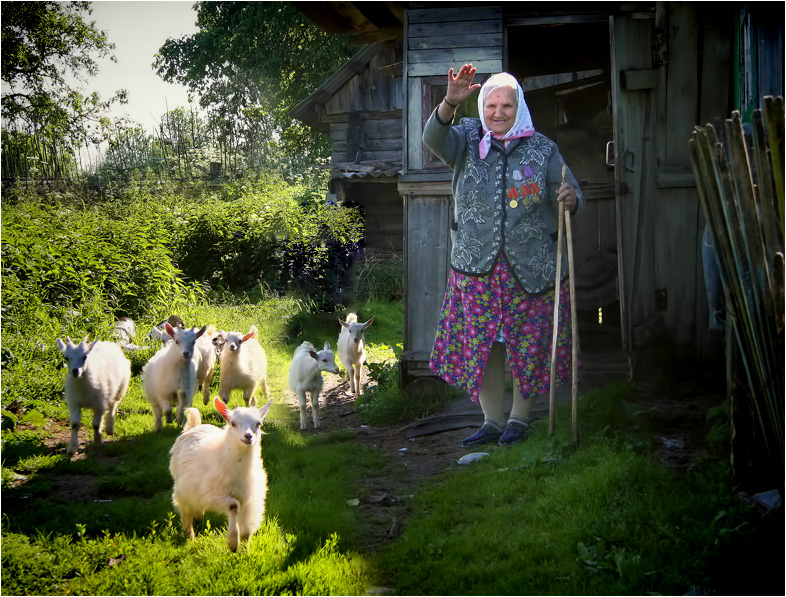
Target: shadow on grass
<point>123,486</point>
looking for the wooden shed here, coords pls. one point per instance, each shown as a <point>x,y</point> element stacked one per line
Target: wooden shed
<point>618,86</point>
<point>362,106</point>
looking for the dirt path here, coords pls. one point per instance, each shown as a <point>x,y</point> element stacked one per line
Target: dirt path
<point>383,502</point>
<point>677,421</point>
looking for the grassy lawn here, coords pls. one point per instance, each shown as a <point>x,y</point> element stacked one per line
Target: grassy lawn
<point>541,518</point>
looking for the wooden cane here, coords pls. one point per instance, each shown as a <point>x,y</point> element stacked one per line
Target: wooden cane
<point>574,396</point>
<point>553,374</point>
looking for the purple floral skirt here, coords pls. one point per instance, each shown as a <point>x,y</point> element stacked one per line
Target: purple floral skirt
<point>473,310</point>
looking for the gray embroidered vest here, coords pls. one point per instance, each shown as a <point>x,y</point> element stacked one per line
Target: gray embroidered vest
<point>507,204</point>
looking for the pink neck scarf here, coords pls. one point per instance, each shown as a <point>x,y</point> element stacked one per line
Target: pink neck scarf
<point>522,127</point>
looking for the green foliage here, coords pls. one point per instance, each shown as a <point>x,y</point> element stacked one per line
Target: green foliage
<point>65,256</point>
<point>379,276</point>
<point>270,234</point>
<point>42,43</point>
<point>246,62</point>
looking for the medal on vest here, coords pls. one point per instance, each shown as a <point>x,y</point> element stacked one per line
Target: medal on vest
<point>512,194</point>
<point>514,204</point>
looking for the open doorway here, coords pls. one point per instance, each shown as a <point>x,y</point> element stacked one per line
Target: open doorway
<point>564,70</point>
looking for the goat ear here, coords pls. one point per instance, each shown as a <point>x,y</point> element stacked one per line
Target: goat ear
<point>70,342</point>
<point>327,346</point>
<point>170,330</point>
<point>222,408</point>
<point>61,345</point>
<point>202,331</point>
<point>265,409</point>
<point>92,345</point>
<point>314,355</point>
<point>343,323</point>
<point>368,323</point>
<point>247,336</point>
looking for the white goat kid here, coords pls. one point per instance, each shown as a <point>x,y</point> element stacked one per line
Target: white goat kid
<point>305,375</point>
<point>220,469</point>
<point>97,379</point>
<point>205,360</point>
<point>243,366</point>
<point>352,349</point>
<point>169,377</point>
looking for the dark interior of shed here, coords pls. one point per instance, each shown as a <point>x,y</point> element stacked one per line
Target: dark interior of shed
<point>564,69</point>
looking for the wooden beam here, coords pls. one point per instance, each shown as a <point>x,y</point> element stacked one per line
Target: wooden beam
<point>374,36</point>
<point>349,11</point>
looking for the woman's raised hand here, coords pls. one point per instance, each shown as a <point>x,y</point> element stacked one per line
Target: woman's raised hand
<point>460,85</point>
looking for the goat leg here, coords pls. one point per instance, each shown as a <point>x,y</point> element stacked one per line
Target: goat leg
<point>233,531</point>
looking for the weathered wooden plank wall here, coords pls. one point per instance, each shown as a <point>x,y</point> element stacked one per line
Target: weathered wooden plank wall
<point>371,90</point>
<point>374,102</point>
<point>437,38</point>
<point>382,138</point>
<point>427,257</point>
<point>634,123</point>
<point>677,242</point>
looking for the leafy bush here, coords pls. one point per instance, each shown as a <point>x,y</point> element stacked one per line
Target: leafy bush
<point>60,256</point>
<point>267,233</point>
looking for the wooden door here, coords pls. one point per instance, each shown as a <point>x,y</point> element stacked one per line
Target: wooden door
<point>633,83</point>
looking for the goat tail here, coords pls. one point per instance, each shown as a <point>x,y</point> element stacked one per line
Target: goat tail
<point>193,418</point>
<point>253,331</point>
<point>211,329</point>
<point>352,318</point>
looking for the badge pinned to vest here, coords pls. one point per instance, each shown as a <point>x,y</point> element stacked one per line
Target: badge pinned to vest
<point>528,192</point>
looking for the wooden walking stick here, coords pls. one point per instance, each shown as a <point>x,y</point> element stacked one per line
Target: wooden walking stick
<point>564,222</point>
<point>574,328</point>
<point>553,374</point>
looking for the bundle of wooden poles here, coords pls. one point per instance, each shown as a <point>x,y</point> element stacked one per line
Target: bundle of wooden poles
<point>740,179</point>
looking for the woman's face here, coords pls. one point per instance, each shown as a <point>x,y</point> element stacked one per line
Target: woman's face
<point>499,110</point>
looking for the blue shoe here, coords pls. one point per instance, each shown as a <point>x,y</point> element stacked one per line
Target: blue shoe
<point>515,433</point>
<point>485,435</point>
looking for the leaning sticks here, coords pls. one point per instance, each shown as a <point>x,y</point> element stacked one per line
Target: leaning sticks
<point>564,222</point>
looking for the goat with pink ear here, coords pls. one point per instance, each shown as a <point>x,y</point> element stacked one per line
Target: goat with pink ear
<point>243,366</point>
<point>221,470</point>
<point>97,379</point>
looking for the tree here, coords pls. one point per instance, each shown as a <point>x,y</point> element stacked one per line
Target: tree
<point>43,44</point>
<point>255,60</point>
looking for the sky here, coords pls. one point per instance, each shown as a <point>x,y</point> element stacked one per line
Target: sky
<point>138,29</point>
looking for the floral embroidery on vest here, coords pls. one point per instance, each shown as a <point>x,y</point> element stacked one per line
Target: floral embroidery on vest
<point>537,149</point>
<point>472,208</point>
<point>465,249</point>
<point>531,227</point>
<point>544,264</point>
<point>476,168</point>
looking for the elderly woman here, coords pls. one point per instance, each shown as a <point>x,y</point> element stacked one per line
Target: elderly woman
<point>507,188</point>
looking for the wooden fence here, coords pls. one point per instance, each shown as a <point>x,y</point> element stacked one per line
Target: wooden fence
<point>740,178</point>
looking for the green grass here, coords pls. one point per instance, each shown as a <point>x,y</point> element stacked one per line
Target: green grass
<point>545,518</point>
<point>122,535</point>
<point>541,518</point>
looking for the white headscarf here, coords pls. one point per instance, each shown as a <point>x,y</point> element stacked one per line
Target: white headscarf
<point>522,127</point>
